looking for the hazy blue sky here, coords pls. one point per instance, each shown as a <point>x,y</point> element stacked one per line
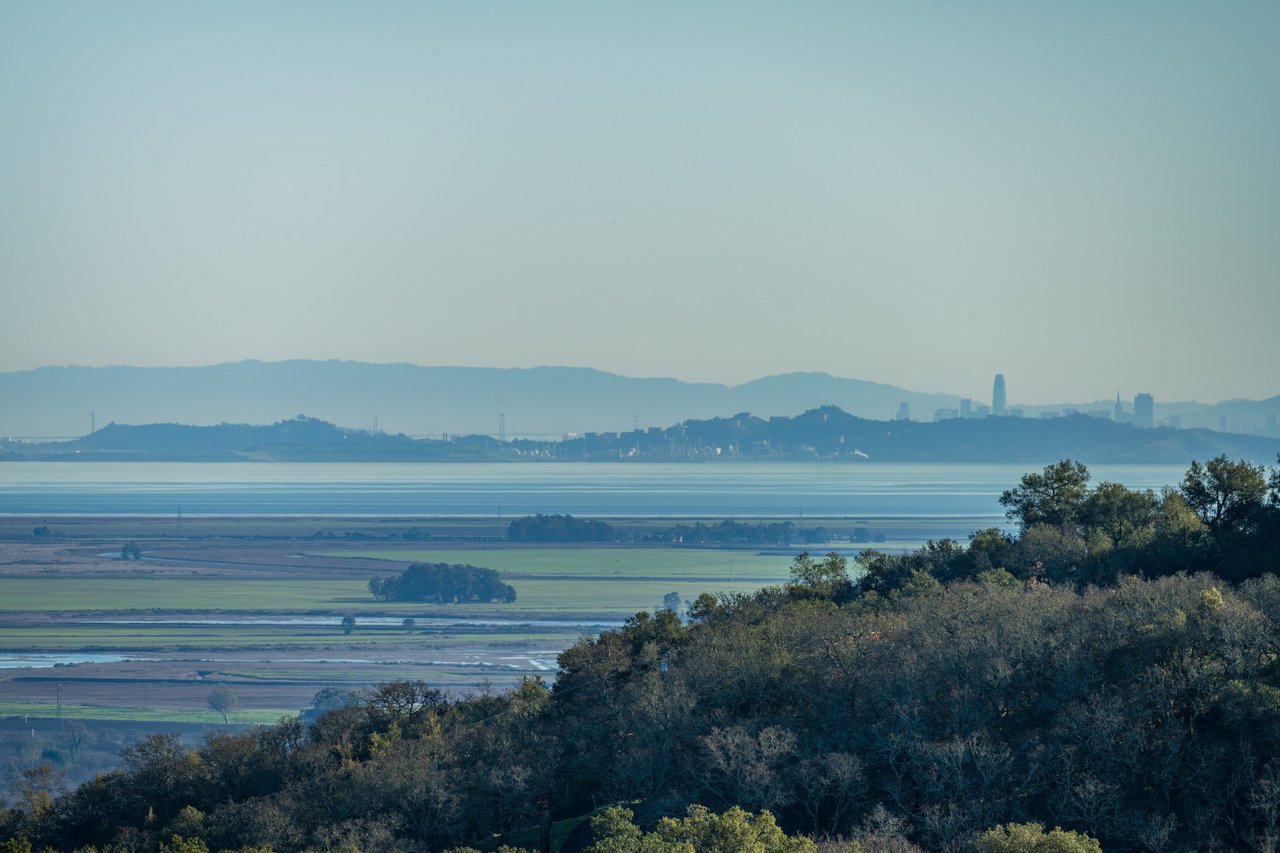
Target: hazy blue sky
<point>1084,196</point>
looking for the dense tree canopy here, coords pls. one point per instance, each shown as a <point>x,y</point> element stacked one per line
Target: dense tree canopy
<point>559,528</point>
<point>1224,518</point>
<point>701,831</point>
<point>443,583</point>
<point>1056,496</point>
<point>1032,838</point>
<point>1223,493</point>
<point>729,532</point>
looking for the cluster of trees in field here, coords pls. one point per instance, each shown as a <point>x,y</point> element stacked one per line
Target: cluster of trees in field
<point>731,532</point>
<point>443,583</point>
<point>1112,669</point>
<point>566,528</point>
<point>559,528</point>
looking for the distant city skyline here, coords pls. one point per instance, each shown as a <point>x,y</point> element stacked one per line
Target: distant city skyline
<point>1142,414</point>
<point>1077,195</point>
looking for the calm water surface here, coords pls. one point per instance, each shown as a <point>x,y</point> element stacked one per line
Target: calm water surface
<point>470,489</point>
<point>42,660</point>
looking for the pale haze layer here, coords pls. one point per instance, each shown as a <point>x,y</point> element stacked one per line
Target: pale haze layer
<point>1080,196</point>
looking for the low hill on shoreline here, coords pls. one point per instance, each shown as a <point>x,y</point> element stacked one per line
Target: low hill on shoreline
<point>823,434</point>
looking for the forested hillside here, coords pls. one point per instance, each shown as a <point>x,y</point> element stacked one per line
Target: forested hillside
<point>1112,669</point>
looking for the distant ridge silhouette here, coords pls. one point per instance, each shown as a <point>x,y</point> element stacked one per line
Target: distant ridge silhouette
<point>426,401</point>
<point>823,434</point>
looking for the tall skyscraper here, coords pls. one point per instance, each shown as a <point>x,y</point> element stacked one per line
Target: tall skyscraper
<point>998,407</point>
<point>1119,411</point>
<point>1144,411</point>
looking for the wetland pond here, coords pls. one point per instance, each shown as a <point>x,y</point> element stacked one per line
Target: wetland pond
<point>42,660</point>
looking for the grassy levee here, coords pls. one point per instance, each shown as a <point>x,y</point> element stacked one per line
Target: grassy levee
<point>35,593</point>
<point>143,638</point>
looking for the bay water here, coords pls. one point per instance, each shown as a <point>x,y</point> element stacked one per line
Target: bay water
<point>718,490</point>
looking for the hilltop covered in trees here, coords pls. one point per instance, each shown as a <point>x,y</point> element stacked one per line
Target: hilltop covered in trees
<point>1110,669</point>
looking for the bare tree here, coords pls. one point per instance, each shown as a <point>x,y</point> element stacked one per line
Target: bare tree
<point>223,700</point>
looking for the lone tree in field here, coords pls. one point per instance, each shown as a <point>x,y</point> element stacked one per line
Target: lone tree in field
<point>75,735</point>
<point>348,624</point>
<point>131,551</point>
<point>223,700</point>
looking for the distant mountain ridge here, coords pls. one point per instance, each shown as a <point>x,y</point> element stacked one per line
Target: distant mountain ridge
<point>416,400</point>
<point>432,401</point>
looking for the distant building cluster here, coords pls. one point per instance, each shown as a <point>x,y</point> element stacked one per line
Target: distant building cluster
<point>1142,415</point>
<point>998,401</point>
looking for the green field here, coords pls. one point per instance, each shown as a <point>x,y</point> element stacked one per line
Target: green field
<point>52,593</point>
<point>50,607</point>
<point>260,716</point>
<point>591,580</point>
<point>602,563</point>
<point>583,595</point>
<point>572,581</point>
